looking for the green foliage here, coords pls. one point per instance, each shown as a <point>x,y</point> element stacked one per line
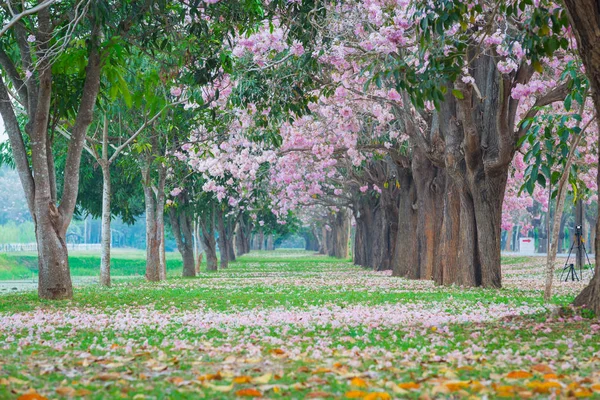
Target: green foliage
<point>549,140</point>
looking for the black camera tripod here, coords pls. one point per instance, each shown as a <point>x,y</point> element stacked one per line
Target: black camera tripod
<point>570,268</point>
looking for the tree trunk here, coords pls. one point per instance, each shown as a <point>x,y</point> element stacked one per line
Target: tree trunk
<point>223,245</point>
<point>207,235</point>
<point>509,234</point>
<point>324,240</point>
<point>229,230</point>
<point>197,246</point>
<point>270,242</point>
<point>54,277</point>
<point>585,20</point>
<point>340,223</point>
<point>160,219</point>
<point>404,262</point>
<point>181,224</point>
<point>153,237</point>
<point>429,185</point>
<point>261,240</point>
<point>153,234</point>
<point>106,234</point>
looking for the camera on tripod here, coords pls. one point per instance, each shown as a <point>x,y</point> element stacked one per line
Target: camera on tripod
<point>579,245</point>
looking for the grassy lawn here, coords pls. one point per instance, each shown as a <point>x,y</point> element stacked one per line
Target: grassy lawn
<point>85,263</point>
<point>288,324</point>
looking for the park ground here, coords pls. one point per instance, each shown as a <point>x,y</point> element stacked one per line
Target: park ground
<point>289,324</point>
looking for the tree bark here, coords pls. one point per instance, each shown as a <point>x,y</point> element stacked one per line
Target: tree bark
<point>223,244</point>
<point>404,262</point>
<point>106,234</point>
<point>270,242</point>
<point>152,238</point>
<point>339,234</point>
<point>585,21</point>
<point>429,183</point>
<point>229,230</point>
<point>181,224</point>
<point>207,235</point>
<point>324,240</point>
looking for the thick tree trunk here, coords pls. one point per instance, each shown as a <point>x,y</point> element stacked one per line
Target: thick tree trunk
<point>404,262</point>
<point>429,184</point>
<point>389,224</point>
<point>209,243</point>
<point>370,241</point>
<point>243,236</point>
<point>181,224</point>
<point>54,277</point>
<point>106,234</point>
<point>324,240</point>
<point>339,234</point>
<point>585,21</point>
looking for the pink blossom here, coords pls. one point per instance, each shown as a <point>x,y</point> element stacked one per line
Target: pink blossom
<point>175,91</point>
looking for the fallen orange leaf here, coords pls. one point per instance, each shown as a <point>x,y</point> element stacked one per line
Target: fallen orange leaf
<point>242,379</point>
<point>377,396</point>
<point>358,382</point>
<point>583,392</point>
<point>211,377</point>
<point>505,389</point>
<point>550,376</point>
<point>409,385</point>
<point>519,375</point>
<point>31,396</point>
<point>544,387</point>
<point>596,387</point>
<point>248,393</point>
<point>457,385</point>
<point>355,394</point>
<point>542,368</point>
<point>277,351</point>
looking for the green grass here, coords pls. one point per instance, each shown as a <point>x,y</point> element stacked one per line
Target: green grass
<point>163,341</point>
<point>12,268</point>
<point>85,263</point>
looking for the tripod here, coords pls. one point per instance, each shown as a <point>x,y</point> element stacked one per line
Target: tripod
<point>570,268</point>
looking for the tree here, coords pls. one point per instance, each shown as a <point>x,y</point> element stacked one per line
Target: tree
<point>28,55</point>
<point>584,16</point>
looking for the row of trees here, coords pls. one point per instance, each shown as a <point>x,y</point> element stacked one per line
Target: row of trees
<point>122,86</point>
<point>408,115</point>
<point>421,110</point>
